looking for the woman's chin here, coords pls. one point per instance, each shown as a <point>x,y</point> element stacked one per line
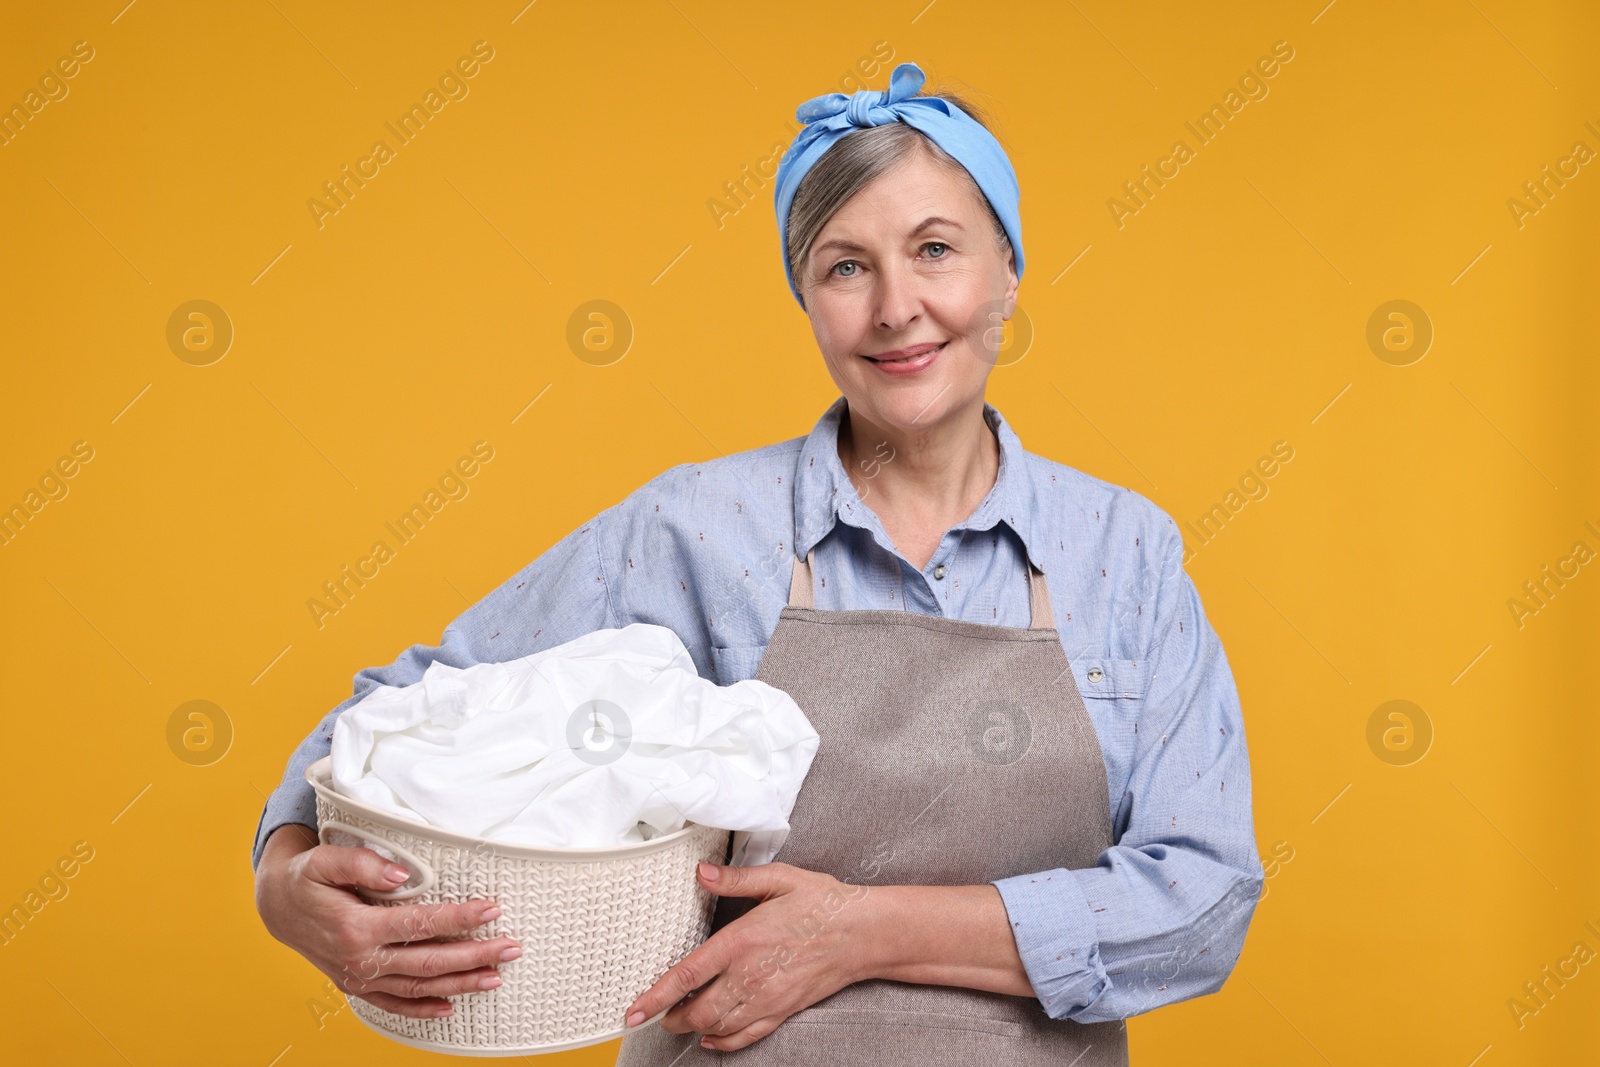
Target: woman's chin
<point>908,406</point>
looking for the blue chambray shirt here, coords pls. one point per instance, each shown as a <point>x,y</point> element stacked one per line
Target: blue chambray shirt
<point>704,548</point>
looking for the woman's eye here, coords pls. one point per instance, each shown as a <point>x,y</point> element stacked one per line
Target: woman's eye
<point>838,267</point>
<point>939,245</point>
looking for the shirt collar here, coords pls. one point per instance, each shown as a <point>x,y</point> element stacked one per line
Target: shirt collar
<point>822,489</point>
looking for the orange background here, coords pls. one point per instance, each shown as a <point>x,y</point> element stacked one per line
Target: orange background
<point>1410,899</point>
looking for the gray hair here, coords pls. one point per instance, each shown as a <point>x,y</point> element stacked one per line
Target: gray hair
<point>853,163</point>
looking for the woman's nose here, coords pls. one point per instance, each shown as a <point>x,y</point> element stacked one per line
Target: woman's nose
<point>899,298</point>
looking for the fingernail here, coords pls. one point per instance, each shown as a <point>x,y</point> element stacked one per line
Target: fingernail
<point>440,1013</point>
<point>705,1042</point>
<point>489,913</point>
<point>709,872</point>
<point>511,953</point>
<point>636,1018</point>
<point>397,873</point>
<point>489,981</point>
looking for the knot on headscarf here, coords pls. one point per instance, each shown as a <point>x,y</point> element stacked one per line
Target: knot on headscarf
<point>832,116</point>
<point>861,105</point>
<point>866,107</point>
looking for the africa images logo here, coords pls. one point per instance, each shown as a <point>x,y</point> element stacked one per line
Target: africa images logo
<point>1207,128</point>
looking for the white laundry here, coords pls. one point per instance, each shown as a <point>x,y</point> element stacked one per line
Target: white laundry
<point>609,739</point>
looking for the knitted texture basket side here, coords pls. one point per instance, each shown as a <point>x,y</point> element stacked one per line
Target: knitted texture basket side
<point>594,934</point>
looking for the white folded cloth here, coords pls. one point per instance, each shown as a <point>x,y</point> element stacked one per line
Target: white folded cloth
<point>609,739</point>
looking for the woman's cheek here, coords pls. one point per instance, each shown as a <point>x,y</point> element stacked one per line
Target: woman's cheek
<point>833,339</point>
<point>974,331</point>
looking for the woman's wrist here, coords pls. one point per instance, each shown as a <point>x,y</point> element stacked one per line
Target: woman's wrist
<point>290,839</point>
<point>282,845</point>
<point>941,935</point>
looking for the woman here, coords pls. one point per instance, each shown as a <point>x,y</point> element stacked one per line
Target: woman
<point>1002,849</point>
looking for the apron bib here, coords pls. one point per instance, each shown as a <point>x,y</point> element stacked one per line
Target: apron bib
<point>950,753</point>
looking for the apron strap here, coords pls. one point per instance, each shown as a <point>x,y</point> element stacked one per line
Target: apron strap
<point>802,591</point>
<point>1039,599</point>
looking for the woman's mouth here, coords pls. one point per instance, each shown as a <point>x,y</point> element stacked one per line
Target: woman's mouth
<point>908,360</point>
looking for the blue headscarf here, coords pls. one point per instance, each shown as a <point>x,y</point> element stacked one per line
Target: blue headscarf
<point>834,115</point>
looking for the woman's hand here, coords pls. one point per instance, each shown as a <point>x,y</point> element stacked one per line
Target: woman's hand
<point>787,953</point>
<point>384,955</point>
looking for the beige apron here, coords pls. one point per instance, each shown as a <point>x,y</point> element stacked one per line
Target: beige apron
<point>951,753</point>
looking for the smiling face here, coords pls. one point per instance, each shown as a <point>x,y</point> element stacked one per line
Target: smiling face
<point>910,265</point>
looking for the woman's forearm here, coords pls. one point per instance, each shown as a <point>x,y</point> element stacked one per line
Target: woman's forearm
<point>942,935</point>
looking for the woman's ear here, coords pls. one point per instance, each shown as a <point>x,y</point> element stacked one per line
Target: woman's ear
<point>1012,283</point>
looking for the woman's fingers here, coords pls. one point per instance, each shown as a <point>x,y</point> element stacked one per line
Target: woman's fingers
<point>414,987</point>
<point>747,1036</point>
<point>340,865</point>
<point>403,958</point>
<point>686,977</point>
<point>421,941</point>
<point>423,922</point>
<point>386,955</point>
<point>430,959</point>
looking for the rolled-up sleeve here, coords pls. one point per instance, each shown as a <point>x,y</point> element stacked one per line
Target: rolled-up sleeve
<point>1162,915</point>
<point>561,595</point>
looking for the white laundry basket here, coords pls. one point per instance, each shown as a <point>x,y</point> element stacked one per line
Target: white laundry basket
<point>597,926</point>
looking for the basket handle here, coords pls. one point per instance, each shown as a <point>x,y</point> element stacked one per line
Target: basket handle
<point>412,862</point>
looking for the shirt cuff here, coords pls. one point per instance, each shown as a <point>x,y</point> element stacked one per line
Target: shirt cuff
<point>1056,938</point>
<point>288,803</point>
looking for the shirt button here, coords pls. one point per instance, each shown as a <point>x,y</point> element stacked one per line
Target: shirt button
<point>938,572</point>
<point>1095,674</point>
